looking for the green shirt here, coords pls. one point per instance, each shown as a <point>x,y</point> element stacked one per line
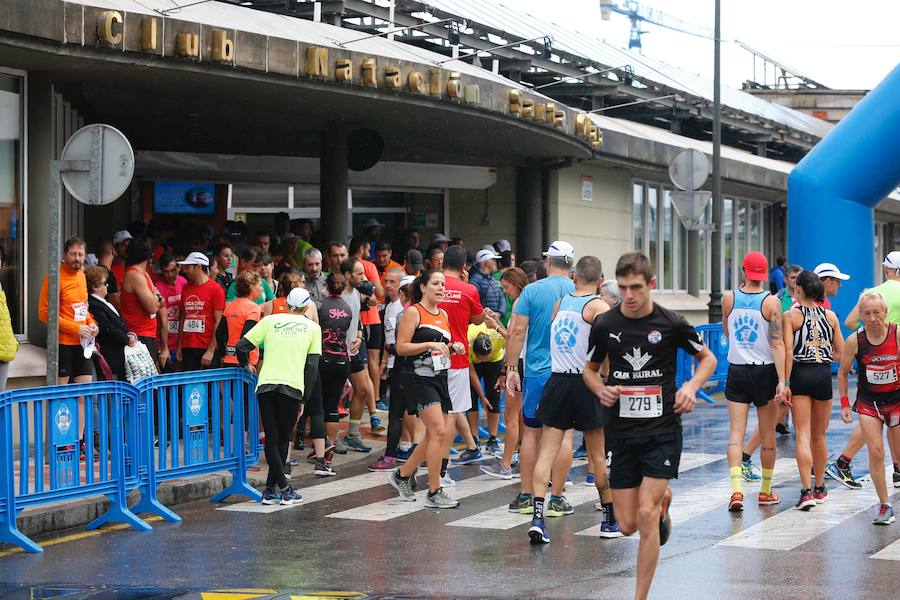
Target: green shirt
<point>288,338</point>
<point>890,289</point>
<point>267,293</point>
<point>504,318</point>
<point>302,246</point>
<point>786,301</point>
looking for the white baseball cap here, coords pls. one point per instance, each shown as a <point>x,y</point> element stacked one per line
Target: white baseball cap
<point>892,260</point>
<point>298,297</point>
<point>830,270</point>
<point>503,246</point>
<point>407,280</point>
<point>560,248</point>
<point>195,258</point>
<point>121,236</point>
<point>484,255</point>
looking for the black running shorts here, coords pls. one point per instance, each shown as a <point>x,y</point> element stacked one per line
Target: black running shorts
<point>751,384</point>
<point>566,402</point>
<point>811,379</point>
<point>634,458</point>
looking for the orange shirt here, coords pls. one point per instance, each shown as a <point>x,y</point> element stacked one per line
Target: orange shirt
<point>73,305</point>
<point>391,265</point>
<point>279,305</point>
<point>370,316</point>
<point>237,313</point>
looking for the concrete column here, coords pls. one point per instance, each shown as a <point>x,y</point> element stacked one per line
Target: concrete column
<point>333,183</point>
<point>529,211</point>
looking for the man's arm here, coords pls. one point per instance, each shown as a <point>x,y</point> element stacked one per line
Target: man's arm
<point>518,327</point>
<point>146,296</point>
<point>852,320</point>
<point>776,340</point>
<point>210,353</point>
<point>850,348</point>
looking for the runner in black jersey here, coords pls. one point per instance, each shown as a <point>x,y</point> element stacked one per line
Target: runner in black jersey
<point>640,341</point>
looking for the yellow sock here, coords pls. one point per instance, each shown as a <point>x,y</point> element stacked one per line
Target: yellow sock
<point>766,481</point>
<point>735,474</point>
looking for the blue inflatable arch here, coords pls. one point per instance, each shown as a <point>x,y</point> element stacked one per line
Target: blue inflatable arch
<point>833,191</point>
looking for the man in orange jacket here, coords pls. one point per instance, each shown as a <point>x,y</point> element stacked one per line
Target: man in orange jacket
<point>75,322</point>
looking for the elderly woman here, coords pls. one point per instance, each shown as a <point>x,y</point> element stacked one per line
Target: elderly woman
<point>113,336</point>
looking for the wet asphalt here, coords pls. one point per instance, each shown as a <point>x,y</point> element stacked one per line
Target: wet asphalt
<point>419,555</point>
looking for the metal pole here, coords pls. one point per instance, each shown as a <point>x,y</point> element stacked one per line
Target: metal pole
<point>715,286</point>
<point>53,274</point>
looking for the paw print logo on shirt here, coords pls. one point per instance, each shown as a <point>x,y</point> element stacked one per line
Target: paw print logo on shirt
<point>746,330</point>
<point>566,333</point>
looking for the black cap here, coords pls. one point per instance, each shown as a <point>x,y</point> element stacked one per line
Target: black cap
<point>414,260</point>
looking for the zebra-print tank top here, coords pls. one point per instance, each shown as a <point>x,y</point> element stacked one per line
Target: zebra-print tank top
<point>813,341</point>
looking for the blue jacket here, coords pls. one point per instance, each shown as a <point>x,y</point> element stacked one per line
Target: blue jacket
<point>489,291</point>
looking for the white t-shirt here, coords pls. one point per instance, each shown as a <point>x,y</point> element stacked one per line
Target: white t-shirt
<point>392,314</point>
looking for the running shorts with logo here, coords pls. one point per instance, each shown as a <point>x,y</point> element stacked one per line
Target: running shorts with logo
<point>72,362</point>
<point>634,458</point>
<point>567,402</point>
<point>460,390</point>
<point>532,391</point>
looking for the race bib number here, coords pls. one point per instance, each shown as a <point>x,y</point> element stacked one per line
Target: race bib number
<point>881,375</point>
<point>80,309</point>
<point>440,361</point>
<point>194,326</point>
<point>640,402</point>
<point>172,327</point>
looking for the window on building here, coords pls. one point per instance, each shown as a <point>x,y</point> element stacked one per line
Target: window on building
<point>12,192</point>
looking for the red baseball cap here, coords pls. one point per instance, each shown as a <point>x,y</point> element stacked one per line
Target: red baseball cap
<point>756,267</point>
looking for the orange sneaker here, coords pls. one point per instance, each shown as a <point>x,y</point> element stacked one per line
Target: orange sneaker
<point>736,504</point>
<point>768,499</point>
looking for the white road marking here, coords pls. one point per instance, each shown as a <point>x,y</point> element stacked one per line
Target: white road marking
<point>395,507</point>
<point>319,492</point>
<point>694,501</point>
<point>792,528</point>
<point>501,518</point>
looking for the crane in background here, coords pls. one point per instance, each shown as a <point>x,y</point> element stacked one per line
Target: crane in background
<point>638,14</point>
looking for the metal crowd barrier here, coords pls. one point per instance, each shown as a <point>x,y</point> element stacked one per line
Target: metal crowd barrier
<point>166,427</point>
<point>714,339</point>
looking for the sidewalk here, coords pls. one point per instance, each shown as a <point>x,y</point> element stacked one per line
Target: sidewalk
<point>65,515</point>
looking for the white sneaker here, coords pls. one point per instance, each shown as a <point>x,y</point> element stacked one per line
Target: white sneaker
<point>447,481</point>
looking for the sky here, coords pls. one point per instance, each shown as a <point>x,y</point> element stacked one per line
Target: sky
<point>842,44</point>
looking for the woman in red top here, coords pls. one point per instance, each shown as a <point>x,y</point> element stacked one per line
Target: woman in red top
<point>240,315</point>
<point>141,304</point>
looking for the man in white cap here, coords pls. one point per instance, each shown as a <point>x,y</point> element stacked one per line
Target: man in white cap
<point>839,468</point>
<point>832,277</point>
<point>529,327</point>
<point>481,277</point>
<point>203,302</point>
<point>291,339</point>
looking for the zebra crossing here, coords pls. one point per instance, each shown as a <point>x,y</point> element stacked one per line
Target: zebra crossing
<point>781,529</point>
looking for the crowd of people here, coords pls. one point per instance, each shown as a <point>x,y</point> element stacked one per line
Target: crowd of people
<point>436,335</point>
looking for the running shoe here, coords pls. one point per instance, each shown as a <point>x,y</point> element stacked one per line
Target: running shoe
<point>896,479</point>
<point>290,497</point>
<point>806,501</point>
<point>769,499</point>
<point>569,481</point>
<point>581,452</point>
<point>598,505</point>
<point>590,480</point>
<point>287,469</point>
<point>494,447</point>
<point>385,463</point>
<point>885,515</point>
<point>354,442</point>
<point>381,405</point>
<point>820,494</point>
<point>323,469</point>
<point>749,471</point>
<point>270,496</point>
<point>536,534</point>
<point>516,473</point>
<point>781,428</point>
<point>339,447</point>
<point>523,504</point>
<point>610,530</point>
<point>845,476</point>
<point>414,483</point>
<point>497,471</point>
<point>468,457</point>
<point>440,499</point>
<point>558,506</point>
<point>376,425</point>
<point>736,504</point>
<point>403,455</point>
<point>402,486</point>
<point>447,481</point>
<point>665,522</point>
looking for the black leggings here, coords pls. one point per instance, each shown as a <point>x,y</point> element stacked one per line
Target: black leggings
<point>333,377</point>
<point>314,412</point>
<point>396,408</point>
<point>490,372</point>
<point>278,414</point>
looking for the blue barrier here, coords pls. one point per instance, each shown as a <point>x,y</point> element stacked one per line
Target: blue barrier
<point>60,408</point>
<point>128,446</point>
<point>713,338</point>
